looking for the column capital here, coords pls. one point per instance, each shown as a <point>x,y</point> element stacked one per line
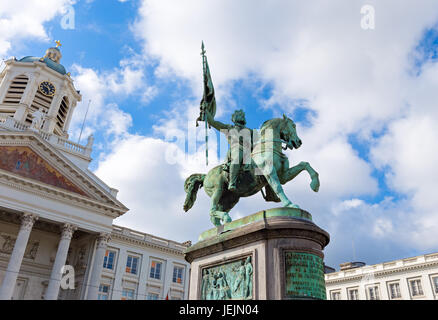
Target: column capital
<point>27,220</point>
<point>67,231</point>
<point>103,239</point>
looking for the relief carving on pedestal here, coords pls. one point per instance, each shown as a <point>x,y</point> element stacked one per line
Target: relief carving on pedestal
<point>228,281</point>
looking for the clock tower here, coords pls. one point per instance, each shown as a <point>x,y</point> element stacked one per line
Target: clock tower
<point>39,87</point>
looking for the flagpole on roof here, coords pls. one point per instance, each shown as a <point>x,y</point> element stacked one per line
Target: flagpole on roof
<point>83,123</point>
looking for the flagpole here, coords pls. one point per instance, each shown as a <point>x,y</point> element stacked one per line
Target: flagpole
<point>205,114</point>
<point>82,128</point>
<point>206,141</point>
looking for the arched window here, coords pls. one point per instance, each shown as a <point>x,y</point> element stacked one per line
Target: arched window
<point>62,114</point>
<point>40,102</point>
<point>16,89</point>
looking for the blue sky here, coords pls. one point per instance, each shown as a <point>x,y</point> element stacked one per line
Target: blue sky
<point>363,100</point>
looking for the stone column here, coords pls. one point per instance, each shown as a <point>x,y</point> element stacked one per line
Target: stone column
<point>168,278</point>
<point>31,88</point>
<point>27,98</point>
<point>93,285</point>
<point>143,278</point>
<point>61,256</point>
<point>8,285</point>
<point>5,83</point>
<point>120,272</point>
<point>70,113</point>
<point>49,124</point>
<point>186,282</point>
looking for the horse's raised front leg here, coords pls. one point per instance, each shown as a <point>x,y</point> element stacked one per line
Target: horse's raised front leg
<point>294,171</point>
<point>216,213</point>
<point>276,186</point>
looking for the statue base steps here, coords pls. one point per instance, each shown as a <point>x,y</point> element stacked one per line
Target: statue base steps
<point>273,254</point>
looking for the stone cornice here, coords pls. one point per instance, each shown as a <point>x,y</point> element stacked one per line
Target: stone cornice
<point>53,193</point>
<point>145,243</point>
<point>383,273</point>
<point>275,227</point>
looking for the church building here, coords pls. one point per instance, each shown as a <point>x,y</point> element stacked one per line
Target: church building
<point>57,237</point>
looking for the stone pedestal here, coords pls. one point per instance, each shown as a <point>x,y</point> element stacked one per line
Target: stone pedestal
<point>273,254</point>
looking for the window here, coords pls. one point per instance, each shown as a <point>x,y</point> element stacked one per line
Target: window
<point>373,293</point>
<point>62,115</point>
<point>40,102</point>
<point>16,89</point>
<point>108,260</point>
<point>336,295</point>
<point>132,264</point>
<point>394,290</point>
<point>416,288</point>
<point>103,292</point>
<point>177,274</point>
<point>128,294</point>
<point>155,270</point>
<point>353,294</point>
<point>152,296</point>
<point>435,284</point>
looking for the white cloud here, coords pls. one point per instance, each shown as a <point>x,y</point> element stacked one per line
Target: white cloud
<point>407,150</point>
<point>104,89</point>
<point>26,20</point>
<point>356,82</point>
<point>152,189</point>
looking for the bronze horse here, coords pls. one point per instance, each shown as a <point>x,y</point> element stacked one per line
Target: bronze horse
<point>269,169</point>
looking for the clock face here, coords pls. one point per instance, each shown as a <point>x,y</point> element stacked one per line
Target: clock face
<point>47,88</point>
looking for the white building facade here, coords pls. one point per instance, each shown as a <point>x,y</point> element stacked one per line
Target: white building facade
<point>405,279</point>
<point>140,266</point>
<point>54,212</point>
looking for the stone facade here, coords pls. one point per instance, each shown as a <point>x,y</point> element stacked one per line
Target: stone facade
<point>54,212</point>
<point>144,279</point>
<point>405,279</point>
<point>267,238</point>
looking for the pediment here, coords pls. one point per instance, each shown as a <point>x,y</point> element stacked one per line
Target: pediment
<point>23,161</point>
<point>32,161</point>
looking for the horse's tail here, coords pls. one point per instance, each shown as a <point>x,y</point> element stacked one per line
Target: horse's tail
<point>191,187</point>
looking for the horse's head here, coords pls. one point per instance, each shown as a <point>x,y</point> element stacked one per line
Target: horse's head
<point>288,133</point>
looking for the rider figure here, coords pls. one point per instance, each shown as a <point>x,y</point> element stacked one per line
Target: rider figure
<point>240,140</point>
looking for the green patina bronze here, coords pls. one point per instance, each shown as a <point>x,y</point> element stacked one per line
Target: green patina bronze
<point>304,276</point>
<point>255,161</point>
<point>228,281</point>
<point>259,216</point>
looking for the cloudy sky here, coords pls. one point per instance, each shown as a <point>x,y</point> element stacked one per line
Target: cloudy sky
<point>364,100</point>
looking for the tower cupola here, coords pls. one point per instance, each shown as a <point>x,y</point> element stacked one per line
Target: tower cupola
<point>53,54</point>
<point>38,92</point>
